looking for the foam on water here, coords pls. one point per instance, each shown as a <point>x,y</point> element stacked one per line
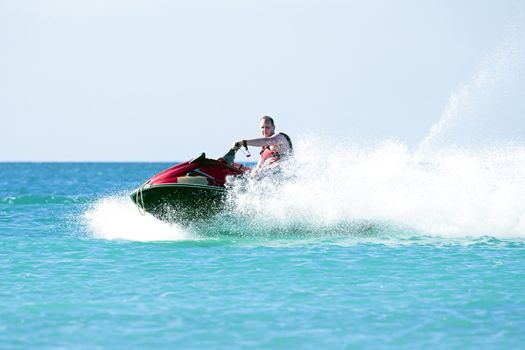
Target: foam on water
<point>116,217</point>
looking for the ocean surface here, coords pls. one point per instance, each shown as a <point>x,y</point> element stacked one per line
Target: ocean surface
<point>384,253</point>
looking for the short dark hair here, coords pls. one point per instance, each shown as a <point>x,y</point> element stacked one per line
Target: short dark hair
<point>268,118</point>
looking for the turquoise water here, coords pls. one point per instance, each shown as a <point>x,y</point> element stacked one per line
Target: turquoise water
<point>82,269</point>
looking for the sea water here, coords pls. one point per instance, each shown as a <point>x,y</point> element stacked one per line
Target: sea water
<point>378,248</point>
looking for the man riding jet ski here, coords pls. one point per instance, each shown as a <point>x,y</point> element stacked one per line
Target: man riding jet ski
<point>196,189</point>
<point>274,147</point>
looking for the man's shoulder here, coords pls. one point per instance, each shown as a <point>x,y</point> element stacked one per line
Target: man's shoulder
<point>285,139</point>
<point>283,135</point>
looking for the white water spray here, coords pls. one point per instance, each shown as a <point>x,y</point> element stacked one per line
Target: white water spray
<point>483,105</point>
<point>334,189</point>
<point>454,193</point>
<point>116,217</point>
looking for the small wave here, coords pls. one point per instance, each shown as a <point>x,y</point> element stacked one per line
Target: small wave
<point>243,225</point>
<point>34,199</point>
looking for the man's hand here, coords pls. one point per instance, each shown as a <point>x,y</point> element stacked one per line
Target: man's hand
<point>237,145</point>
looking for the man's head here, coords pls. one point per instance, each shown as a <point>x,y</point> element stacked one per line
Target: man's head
<point>267,126</point>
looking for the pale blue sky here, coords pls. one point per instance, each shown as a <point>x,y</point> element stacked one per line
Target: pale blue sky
<point>154,80</point>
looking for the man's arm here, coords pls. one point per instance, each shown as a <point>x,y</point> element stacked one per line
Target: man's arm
<point>266,141</point>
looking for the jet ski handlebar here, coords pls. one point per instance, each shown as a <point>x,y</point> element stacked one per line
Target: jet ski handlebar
<point>245,145</point>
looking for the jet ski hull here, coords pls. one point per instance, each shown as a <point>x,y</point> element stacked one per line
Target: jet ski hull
<point>180,202</point>
<point>188,191</point>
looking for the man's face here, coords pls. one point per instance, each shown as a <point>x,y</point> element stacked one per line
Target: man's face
<point>267,129</point>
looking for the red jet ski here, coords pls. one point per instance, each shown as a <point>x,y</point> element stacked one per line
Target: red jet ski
<point>188,191</point>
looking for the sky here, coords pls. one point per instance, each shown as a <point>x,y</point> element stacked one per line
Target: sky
<point>112,80</point>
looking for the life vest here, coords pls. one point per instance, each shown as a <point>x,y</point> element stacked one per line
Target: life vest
<point>269,156</point>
